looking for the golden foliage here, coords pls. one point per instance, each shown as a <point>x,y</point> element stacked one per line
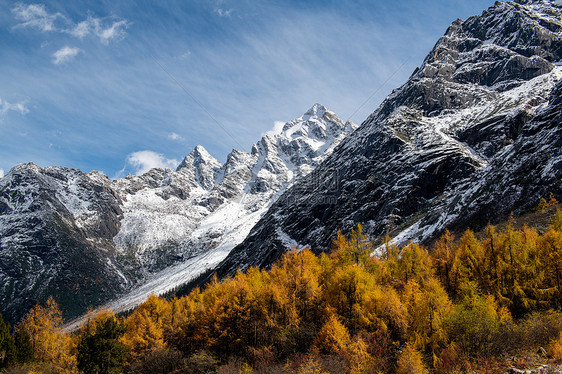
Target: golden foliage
<point>544,204</point>
<point>557,220</point>
<point>357,357</point>
<point>333,336</point>
<point>555,348</point>
<point>49,343</point>
<point>452,300</point>
<point>410,361</point>
<point>145,329</point>
<point>428,308</point>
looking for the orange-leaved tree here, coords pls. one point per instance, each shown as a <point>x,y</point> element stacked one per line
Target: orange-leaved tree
<point>50,344</point>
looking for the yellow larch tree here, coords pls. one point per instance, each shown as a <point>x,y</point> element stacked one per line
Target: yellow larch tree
<point>50,344</point>
<point>145,331</point>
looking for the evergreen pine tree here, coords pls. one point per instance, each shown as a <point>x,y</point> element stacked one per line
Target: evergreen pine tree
<point>23,347</point>
<point>7,345</point>
<point>99,349</point>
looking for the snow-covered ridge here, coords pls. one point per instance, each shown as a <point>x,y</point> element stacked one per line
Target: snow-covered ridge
<point>166,208</point>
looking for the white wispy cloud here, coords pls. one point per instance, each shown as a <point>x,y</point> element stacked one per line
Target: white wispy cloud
<point>277,128</point>
<point>220,9</point>
<point>143,161</point>
<point>36,16</point>
<point>223,12</point>
<point>185,54</point>
<point>6,107</point>
<point>65,54</point>
<point>99,27</point>
<point>174,136</point>
<point>112,32</point>
<point>81,29</point>
<point>1,173</point>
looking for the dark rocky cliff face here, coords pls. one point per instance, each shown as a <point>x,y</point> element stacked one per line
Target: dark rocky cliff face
<point>472,136</point>
<point>46,246</point>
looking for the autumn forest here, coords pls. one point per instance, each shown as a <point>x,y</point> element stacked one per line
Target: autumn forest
<point>461,303</point>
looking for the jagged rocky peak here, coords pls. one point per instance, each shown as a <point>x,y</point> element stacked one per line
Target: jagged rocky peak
<point>201,156</point>
<point>307,137</point>
<point>24,166</point>
<point>235,160</point>
<point>206,168</point>
<point>476,59</point>
<point>234,174</point>
<point>296,148</point>
<point>317,123</point>
<point>509,41</point>
<point>37,173</point>
<point>198,156</point>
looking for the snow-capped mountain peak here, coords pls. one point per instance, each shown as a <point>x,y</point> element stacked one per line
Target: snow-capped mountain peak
<point>197,156</point>
<point>137,227</point>
<point>205,168</point>
<point>317,123</point>
<point>202,156</point>
<point>317,110</point>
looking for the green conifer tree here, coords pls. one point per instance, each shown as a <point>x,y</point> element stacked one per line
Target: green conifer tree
<point>99,349</point>
<point>7,345</point>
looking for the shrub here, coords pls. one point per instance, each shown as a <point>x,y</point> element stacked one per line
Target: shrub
<point>201,362</point>
<point>538,329</point>
<point>159,361</point>
<point>410,361</point>
<point>555,348</point>
<point>476,324</point>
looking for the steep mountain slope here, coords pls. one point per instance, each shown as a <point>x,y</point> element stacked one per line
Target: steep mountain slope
<point>85,239</point>
<point>56,230</point>
<point>474,134</point>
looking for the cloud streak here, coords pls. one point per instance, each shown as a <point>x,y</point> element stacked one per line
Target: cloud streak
<point>65,54</point>
<point>98,27</point>
<point>276,129</point>
<point>174,136</point>
<point>224,12</point>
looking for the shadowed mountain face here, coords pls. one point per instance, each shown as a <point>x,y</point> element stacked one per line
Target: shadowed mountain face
<point>473,135</point>
<point>56,230</point>
<point>85,239</point>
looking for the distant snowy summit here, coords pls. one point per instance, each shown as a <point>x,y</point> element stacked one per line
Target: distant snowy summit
<point>85,239</point>
<point>202,188</point>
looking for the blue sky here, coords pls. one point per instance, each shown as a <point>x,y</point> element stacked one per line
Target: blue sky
<point>97,85</point>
